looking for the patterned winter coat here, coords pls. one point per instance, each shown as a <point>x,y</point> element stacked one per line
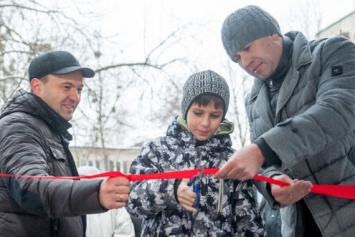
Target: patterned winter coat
<point>155,200</point>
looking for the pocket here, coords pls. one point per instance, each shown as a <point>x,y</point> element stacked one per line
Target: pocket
<point>57,154</point>
<point>57,162</point>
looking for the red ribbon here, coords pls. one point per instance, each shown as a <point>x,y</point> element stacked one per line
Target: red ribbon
<point>341,191</point>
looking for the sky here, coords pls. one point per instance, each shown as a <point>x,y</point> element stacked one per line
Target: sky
<point>139,24</point>
<point>135,26</point>
<point>131,12</point>
<point>160,15</point>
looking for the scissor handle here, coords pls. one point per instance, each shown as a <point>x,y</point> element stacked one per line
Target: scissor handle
<point>192,181</point>
<point>196,188</point>
<point>197,191</point>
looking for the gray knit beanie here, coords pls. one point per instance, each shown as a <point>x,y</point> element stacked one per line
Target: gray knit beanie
<point>246,25</point>
<point>204,83</point>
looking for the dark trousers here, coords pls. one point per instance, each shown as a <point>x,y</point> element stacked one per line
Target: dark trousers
<point>311,228</point>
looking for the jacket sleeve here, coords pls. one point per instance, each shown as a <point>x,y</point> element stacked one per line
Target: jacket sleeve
<point>265,188</point>
<point>22,154</point>
<point>331,86</point>
<point>151,196</point>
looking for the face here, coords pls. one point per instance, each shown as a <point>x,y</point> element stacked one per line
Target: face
<point>61,92</point>
<point>261,57</point>
<point>203,121</point>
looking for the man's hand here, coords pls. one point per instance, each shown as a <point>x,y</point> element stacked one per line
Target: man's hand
<point>288,195</point>
<point>114,192</point>
<point>242,165</point>
<point>186,197</point>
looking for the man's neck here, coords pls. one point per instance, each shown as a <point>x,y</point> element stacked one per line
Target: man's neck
<point>285,62</point>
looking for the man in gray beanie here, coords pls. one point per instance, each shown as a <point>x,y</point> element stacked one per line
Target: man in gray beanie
<point>246,25</point>
<point>301,113</point>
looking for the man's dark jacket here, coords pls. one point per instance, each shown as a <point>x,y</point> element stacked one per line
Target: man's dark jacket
<point>34,142</point>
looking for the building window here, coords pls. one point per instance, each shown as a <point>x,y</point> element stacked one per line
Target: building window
<point>111,165</point>
<point>125,167</point>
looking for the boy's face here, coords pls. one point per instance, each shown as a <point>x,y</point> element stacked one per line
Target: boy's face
<point>61,92</point>
<point>203,121</point>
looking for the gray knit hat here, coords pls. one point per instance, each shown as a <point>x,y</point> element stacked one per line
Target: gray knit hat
<point>246,25</point>
<point>204,83</point>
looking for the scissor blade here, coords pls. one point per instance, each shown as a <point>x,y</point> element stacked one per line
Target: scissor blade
<point>200,173</point>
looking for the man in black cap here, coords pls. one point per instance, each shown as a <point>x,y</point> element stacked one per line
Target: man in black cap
<point>301,112</point>
<point>34,142</point>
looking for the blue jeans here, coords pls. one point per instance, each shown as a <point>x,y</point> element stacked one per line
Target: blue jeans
<point>272,219</point>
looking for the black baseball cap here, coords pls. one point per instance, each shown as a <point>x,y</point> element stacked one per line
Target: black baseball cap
<point>56,62</point>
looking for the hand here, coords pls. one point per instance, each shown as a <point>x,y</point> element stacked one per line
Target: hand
<point>186,197</point>
<point>243,164</point>
<point>114,192</point>
<point>288,195</point>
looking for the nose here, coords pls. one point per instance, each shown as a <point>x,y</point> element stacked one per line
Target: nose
<point>205,121</point>
<point>75,95</point>
<point>244,60</point>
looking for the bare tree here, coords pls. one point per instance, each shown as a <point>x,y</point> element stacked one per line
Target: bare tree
<point>28,28</point>
<point>109,119</point>
<point>240,83</point>
<point>307,18</point>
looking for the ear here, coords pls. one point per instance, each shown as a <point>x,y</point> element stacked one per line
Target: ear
<point>36,86</point>
<point>275,36</point>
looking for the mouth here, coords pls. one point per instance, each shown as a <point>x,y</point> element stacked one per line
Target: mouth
<point>255,69</point>
<point>203,133</point>
<point>70,108</point>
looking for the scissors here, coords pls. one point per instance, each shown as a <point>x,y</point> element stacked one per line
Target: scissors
<point>196,185</point>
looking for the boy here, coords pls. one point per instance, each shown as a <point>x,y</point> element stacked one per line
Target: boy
<point>199,137</point>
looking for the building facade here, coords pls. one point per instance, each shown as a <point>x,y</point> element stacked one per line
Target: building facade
<point>105,159</point>
<point>343,27</point>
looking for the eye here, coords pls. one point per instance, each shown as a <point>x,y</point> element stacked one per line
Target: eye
<point>237,58</point>
<point>216,116</point>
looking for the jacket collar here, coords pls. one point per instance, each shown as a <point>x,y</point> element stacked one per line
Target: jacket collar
<point>28,103</point>
<point>226,127</point>
<point>301,56</point>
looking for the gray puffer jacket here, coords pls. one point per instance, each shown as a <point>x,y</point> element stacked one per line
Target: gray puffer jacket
<point>34,141</point>
<point>313,132</point>
<point>155,201</point>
